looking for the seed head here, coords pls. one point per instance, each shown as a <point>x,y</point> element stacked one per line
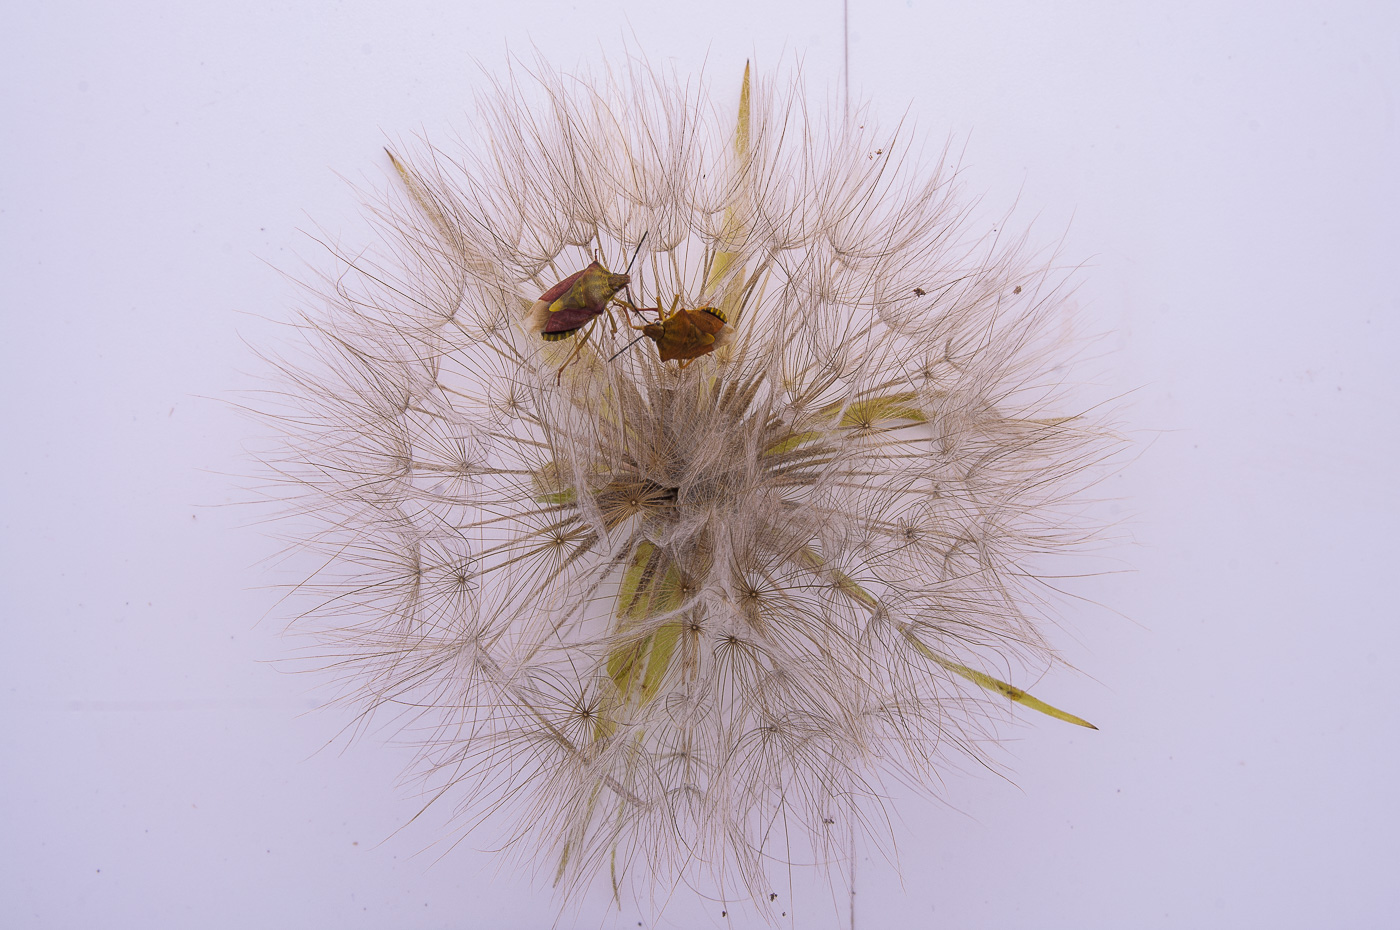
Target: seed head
<point>676,609</point>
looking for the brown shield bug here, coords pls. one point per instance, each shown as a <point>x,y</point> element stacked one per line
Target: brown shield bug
<point>686,334</point>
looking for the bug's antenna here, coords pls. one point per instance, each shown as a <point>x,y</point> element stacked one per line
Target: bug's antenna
<point>628,346</point>
<point>628,269</point>
<point>635,251</point>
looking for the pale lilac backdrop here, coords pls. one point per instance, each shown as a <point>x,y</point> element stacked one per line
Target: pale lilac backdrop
<point>1228,172</point>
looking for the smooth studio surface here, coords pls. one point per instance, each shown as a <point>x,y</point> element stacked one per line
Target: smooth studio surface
<point>1225,175</point>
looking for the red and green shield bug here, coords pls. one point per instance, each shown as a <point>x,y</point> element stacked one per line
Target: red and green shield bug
<point>575,302</point>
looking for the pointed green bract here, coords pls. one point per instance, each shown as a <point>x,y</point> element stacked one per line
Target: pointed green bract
<point>723,269</point>
<point>995,684</point>
<point>425,200</point>
<point>741,133</point>
<point>791,442</point>
<point>663,644</point>
<point>645,592</point>
<point>848,586</point>
<point>633,596</point>
<point>550,487</point>
<point>872,410</point>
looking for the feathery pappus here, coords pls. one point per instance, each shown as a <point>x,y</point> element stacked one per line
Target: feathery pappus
<point>667,568</point>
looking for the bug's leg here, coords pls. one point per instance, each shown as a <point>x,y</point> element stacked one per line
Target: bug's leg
<point>629,306</point>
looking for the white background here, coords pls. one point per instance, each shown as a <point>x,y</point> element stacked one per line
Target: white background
<point>1228,171</point>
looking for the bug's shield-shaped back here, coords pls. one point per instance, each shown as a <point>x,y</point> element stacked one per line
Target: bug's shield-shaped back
<point>575,301</point>
<point>688,334</point>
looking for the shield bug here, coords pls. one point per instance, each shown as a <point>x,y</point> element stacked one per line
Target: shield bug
<point>575,302</point>
<point>686,334</point>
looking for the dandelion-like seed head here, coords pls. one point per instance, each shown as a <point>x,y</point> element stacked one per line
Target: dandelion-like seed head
<point>675,616</point>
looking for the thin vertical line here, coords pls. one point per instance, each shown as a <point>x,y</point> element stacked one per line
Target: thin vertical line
<point>846,56</point>
<point>853,866</point>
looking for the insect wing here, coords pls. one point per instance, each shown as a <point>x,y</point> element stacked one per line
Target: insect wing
<point>562,309</point>
<point>568,319</point>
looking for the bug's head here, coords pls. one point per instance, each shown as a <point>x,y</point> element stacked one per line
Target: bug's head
<point>616,282</point>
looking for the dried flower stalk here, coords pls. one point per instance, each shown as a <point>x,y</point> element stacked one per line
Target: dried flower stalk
<point>679,622</point>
